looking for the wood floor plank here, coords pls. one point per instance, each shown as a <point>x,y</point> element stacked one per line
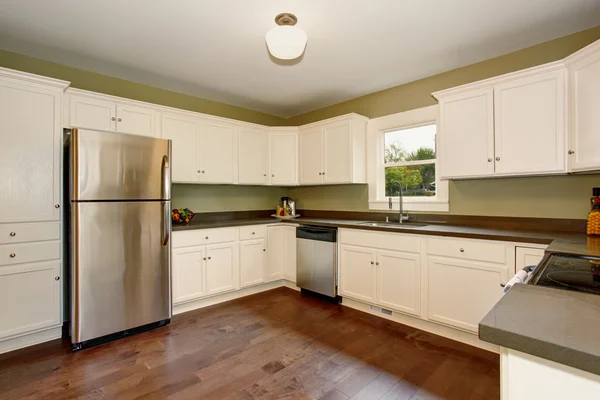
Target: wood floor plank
<point>278,344</point>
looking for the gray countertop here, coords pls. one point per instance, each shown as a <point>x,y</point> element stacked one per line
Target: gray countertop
<point>554,324</point>
<point>200,224</point>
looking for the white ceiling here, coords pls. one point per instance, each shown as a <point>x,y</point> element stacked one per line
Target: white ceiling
<point>215,49</point>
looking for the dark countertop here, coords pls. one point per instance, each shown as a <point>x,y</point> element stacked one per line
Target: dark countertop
<point>554,324</point>
<point>200,224</point>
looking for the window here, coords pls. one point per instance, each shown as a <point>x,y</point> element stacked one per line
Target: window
<point>401,149</point>
<point>409,157</point>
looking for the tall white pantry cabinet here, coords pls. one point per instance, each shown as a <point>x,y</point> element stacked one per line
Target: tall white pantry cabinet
<point>31,208</point>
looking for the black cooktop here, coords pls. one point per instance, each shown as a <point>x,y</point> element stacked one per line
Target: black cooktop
<point>576,273</point>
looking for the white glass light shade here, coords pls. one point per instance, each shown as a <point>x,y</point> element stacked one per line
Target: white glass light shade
<point>286,42</point>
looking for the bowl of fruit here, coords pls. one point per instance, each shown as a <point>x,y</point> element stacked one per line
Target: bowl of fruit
<point>182,215</point>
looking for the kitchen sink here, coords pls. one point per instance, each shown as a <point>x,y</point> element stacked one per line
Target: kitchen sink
<point>404,225</point>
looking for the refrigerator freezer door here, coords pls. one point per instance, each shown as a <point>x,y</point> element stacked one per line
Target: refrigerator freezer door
<point>121,266</point>
<point>117,166</point>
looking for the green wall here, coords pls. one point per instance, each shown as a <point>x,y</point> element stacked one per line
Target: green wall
<point>215,198</point>
<point>548,197</point>
<point>94,82</point>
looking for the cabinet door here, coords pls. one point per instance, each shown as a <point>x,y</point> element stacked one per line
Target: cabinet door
<point>220,268</point>
<point>93,114</point>
<point>136,120</point>
<point>527,256</point>
<point>337,154</point>
<point>357,273</point>
<point>311,156</point>
<point>284,158</point>
<point>584,117</point>
<point>462,292</point>
<point>399,281</point>
<point>218,161</point>
<point>253,156</point>
<point>253,266</point>
<point>467,134</point>
<point>530,125</point>
<point>31,295</point>
<point>189,281</point>
<point>184,133</point>
<point>30,153</point>
<point>290,253</point>
<point>276,252</point>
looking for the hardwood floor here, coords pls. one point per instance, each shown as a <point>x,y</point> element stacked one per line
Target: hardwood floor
<point>273,345</point>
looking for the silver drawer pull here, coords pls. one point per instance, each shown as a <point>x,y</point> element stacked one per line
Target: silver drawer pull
<point>13,234</point>
<point>12,255</point>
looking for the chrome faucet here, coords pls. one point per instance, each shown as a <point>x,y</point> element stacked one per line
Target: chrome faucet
<point>401,216</point>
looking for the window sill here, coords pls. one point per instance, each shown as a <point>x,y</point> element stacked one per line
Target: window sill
<point>414,205</point>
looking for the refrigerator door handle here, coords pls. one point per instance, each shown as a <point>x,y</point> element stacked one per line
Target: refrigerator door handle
<point>165,179</point>
<point>165,222</point>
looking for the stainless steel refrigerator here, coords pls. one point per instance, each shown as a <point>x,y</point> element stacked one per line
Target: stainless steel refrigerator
<point>120,224</point>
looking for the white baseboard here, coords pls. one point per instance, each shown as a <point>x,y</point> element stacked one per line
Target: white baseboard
<point>290,284</point>
<point>30,339</point>
<point>210,301</point>
<point>431,327</point>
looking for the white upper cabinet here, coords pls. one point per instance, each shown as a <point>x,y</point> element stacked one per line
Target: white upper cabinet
<point>218,152</point>
<point>107,113</point>
<point>467,134</point>
<point>333,151</point>
<point>30,147</point>
<point>584,116</point>
<point>136,120</point>
<point>283,156</point>
<point>92,113</point>
<point>514,124</point>
<point>185,135</point>
<point>253,156</point>
<point>311,155</point>
<point>530,125</point>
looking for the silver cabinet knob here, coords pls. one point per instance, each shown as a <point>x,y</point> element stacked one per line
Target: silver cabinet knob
<point>202,171</point>
<point>377,263</point>
<point>204,258</point>
<point>264,174</point>
<point>320,173</point>
<point>209,258</point>
<point>112,119</point>
<point>12,255</point>
<point>13,234</point>
<point>57,206</point>
<point>198,171</point>
<point>497,158</point>
<point>490,160</point>
<point>571,152</point>
<point>462,250</point>
<point>57,278</point>
<point>503,284</point>
<point>273,176</point>
<point>264,249</point>
<point>323,173</point>
<point>119,120</point>
<point>254,233</point>
<point>372,262</point>
<point>206,237</point>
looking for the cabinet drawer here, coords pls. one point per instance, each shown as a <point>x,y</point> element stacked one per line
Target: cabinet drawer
<point>380,240</point>
<point>203,236</point>
<point>478,250</point>
<point>29,252</point>
<point>34,232</point>
<point>252,232</point>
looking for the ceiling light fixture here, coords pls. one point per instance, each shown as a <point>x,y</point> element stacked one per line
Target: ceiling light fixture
<point>286,41</point>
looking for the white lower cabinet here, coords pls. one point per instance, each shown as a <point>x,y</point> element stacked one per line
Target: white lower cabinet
<point>462,292</point>
<point>527,256</point>
<point>357,273</point>
<point>31,297</point>
<point>253,262</point>
<point>276,252</point>
<point>399,281</point>
<point>220,268</point>
<point>289,272</point>
<point>188,273</point>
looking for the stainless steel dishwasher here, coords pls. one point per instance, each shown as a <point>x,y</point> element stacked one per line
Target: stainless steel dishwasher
<point>316,260</point>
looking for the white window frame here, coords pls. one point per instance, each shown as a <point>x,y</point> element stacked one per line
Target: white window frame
<point>376,129</point>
